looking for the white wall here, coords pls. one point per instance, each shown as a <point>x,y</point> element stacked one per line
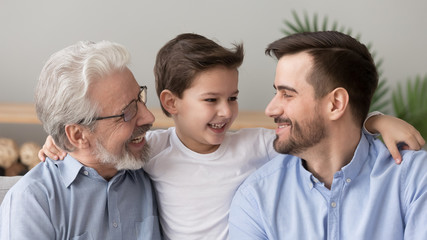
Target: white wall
<point>31,30</point>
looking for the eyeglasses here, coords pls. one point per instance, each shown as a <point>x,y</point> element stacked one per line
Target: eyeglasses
<point>129,112</point>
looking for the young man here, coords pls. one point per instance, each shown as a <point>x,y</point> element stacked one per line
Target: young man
<point>343,184</point>
<point>90,103</point>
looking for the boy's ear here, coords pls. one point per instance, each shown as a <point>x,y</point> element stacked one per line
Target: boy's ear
<point>77,136</point>
<point>168,101</point>
<point>337,103</point>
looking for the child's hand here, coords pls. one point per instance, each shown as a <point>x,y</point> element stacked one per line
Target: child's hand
<point>396,133</point>
<point>50,150</point>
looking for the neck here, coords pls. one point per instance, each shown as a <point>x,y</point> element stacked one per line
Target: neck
<point>332,153</point>
<point>107,171</point>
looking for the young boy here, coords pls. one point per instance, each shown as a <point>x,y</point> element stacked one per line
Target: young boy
<point>197,165</point>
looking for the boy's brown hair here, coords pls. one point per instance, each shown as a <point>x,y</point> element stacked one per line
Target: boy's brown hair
<point>185,56</point>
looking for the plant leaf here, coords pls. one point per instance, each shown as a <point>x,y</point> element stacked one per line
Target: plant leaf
<point>412,106</point>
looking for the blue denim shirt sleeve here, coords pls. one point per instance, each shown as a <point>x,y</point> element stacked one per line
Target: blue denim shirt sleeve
<point>414,192</point>
<point>245,212</point>
<point>26,215</point>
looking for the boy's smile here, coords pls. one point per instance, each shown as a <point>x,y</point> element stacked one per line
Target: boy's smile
<point>207,109</point>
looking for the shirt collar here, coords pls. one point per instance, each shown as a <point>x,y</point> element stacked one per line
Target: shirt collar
<point>69,169</point>
<point>360,156</point>
<point>131,173</point>
<point>349,171</point>
<point>306,176</point>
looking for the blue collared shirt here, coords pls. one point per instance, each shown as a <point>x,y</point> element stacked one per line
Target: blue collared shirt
<point>370,198</point>
<point>66,200</point>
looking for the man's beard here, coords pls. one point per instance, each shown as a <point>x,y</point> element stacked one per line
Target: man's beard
<point>125,160</point>
<point>301,136</point>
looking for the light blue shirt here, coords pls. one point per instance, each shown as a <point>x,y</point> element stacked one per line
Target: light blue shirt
<point>66,200</point>
<point>370,198</point>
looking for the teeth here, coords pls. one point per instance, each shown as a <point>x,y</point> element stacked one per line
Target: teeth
<point>217,125</point>
<point>137,139</point>
<point>282,125</point>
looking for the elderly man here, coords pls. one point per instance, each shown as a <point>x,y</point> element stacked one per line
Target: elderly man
<point>343,184</point>
<point>90,103</point>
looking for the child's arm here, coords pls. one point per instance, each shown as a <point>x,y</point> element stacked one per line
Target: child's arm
<point>395,132</point>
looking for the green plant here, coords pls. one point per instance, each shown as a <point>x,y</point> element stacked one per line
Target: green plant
<point>412,104</point>
<point>307,24</point>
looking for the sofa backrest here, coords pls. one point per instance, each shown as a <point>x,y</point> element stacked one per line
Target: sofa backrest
<point>5,184</point>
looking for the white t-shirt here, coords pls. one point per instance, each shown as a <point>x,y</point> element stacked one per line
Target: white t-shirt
<point>194,191</point>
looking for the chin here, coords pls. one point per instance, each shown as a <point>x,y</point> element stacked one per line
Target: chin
<point>217,141</point>
<point>130,165</point>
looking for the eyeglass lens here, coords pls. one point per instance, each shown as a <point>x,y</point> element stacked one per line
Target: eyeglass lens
<point>143,95</point>
<point>130,111</point>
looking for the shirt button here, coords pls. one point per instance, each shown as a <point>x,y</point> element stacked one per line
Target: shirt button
<point>85,172</point>
<point>333,204</point>
<point>115,224</point>
<point>348,180</point>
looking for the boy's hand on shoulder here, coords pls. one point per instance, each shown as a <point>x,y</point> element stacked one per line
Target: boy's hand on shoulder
<point>50,150</point>
<point>396,133</point>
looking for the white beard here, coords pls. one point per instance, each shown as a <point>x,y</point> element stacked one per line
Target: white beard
<point>125,160</point>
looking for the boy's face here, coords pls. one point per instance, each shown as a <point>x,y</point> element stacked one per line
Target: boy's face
<point>207,109</point>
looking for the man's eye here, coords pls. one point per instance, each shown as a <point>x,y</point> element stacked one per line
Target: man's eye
<point>286,95</point>
<point>210,99</point>
<point>232,99</point>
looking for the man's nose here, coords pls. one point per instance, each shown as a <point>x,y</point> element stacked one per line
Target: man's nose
<point>273,109</point>
<point>144,116</point>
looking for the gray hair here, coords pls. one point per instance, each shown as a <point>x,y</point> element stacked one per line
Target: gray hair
<point>62,91</point>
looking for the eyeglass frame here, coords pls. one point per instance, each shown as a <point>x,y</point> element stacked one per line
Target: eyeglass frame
<point>142,97</point>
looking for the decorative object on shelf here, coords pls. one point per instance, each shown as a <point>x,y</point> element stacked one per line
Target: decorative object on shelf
<point>28,154</point>
<point>9,155</point>
<point>8,152</point>
<point>17,161</point>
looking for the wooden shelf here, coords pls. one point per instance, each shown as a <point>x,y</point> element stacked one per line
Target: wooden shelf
<point>25,113</point>
<point>18,113</point>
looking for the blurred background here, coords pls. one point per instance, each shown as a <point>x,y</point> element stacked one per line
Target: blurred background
<point>30,31</point>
